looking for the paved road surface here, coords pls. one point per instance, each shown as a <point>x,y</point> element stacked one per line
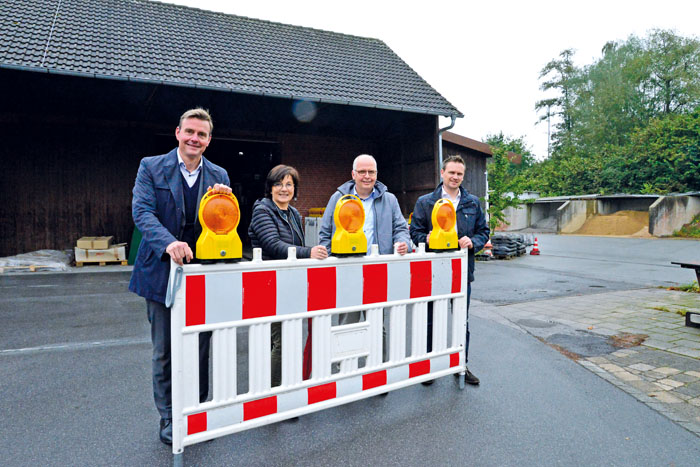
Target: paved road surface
<point>574,264</point>
<point>79,393</point>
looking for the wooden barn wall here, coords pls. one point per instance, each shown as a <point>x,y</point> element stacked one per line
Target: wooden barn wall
<point>77,144</point>
<point>408,165</point>
<point>65,181</point>
<point>474,178</point>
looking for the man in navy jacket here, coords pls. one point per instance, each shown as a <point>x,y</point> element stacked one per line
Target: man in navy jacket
<point>472,230</point>
<point>165,208</point>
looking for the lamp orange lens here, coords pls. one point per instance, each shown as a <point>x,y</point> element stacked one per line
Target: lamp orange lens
<point>220,215</point>
<point>446,217</point>
<point>351,216</point>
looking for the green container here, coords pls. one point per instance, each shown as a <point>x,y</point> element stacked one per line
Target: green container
<point>134,245</point>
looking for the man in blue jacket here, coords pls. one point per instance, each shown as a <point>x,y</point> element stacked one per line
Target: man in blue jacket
<point>165,208</point>
<point>472,230</point>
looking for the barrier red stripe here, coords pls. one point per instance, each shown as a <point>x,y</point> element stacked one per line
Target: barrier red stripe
<point>421,276</point>
<point>373,380</point>
<point>419,368</point>
<point>196,423</point>
<point>454,359</point>
<point>321,393</point>
<point>456,275</point>
<point>374,283</point>
<point>321,285</point>
<point>259,294</point>
<point>195,300</point>
<point>259,408</point>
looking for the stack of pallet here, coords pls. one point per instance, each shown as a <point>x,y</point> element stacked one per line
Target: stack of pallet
<point>99,250</point>
<point>508,245</point>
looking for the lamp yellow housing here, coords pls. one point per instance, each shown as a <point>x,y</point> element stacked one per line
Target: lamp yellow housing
<point>219,215</point>
<point>444,235</point>
<point>349,217</point>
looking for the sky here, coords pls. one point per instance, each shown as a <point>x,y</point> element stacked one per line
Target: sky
<point>484,57</point>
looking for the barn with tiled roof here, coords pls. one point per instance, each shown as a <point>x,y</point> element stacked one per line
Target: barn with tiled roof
<point>92,86</point>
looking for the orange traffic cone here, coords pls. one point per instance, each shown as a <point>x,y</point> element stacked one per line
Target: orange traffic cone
<point>535,250</point>
<point>487,248</point>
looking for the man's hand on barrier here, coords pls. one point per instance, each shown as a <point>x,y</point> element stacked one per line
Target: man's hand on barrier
<point>466,242</point>
<point>220,188</point>
<point>319,252</point>
<point>401,248</point>
<point>179,251</point>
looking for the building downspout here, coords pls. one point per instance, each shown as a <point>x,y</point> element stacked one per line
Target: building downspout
<point>440,132</point>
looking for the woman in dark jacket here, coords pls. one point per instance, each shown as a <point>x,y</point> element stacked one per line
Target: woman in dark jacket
<point>276,226</point>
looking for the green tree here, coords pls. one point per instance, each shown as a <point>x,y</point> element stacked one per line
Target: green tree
<point>673,65</point>
<point>664,156</point>
<point>625,123</point>
<point>519,155</point>
<point>562,77</point>
<point>504,189</point>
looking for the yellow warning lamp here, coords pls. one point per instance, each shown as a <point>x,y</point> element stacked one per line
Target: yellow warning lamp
<point>349,217</point>
<point>444,235</point>
<point>219,215</point>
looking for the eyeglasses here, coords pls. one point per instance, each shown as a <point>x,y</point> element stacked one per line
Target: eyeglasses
<point>362,173</point>
<point>288,186</point>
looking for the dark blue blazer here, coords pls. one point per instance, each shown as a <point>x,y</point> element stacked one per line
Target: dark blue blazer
<point>158,208</point>
<point>470,221</point>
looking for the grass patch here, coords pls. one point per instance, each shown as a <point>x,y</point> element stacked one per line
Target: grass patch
<point>692,287</point>
<point>681,311</point>
<point>690,230</point>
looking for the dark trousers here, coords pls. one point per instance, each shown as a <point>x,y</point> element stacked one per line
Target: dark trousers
<point>159,317</point>
<point>430,324</point>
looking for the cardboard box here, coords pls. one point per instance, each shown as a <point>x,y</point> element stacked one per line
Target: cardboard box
<point>85,242</point>
<point>115,253</point>
<point>95,243</point>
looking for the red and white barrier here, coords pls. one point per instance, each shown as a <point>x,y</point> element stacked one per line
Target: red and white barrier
<point>230,299</point>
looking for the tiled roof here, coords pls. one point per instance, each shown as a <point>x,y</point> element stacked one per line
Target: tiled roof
<point>149,41</point>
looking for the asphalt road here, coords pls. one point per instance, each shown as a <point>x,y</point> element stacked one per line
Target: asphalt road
<point>75,384</point>
<point>573,265</point>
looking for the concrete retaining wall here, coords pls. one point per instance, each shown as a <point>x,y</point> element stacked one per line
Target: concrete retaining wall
<point>612,205</point>
<point>573,214</point>
<point>517,217</point>
<point>669,213</point>
<point>540,213</point>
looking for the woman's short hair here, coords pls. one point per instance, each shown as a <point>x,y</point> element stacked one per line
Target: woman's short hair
<point>277,174</point>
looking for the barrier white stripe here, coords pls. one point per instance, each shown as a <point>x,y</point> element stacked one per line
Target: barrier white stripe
<point>348,386</point>
<point>225,374</point>
<point>292,348</point>
<point>397,333</point>
<point>259,358</point>
<point>321,348</point>
<point>190,365</point>
<point>224,300</point>
<point>442,276</point>
<point>419,327</point>
<point>459,312</point>
<point>290,303</point>
<point>292,400</point>
<point>374,318</point>
<point>439,325</point>
<point>399,281</point>
<point>349,284</point>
